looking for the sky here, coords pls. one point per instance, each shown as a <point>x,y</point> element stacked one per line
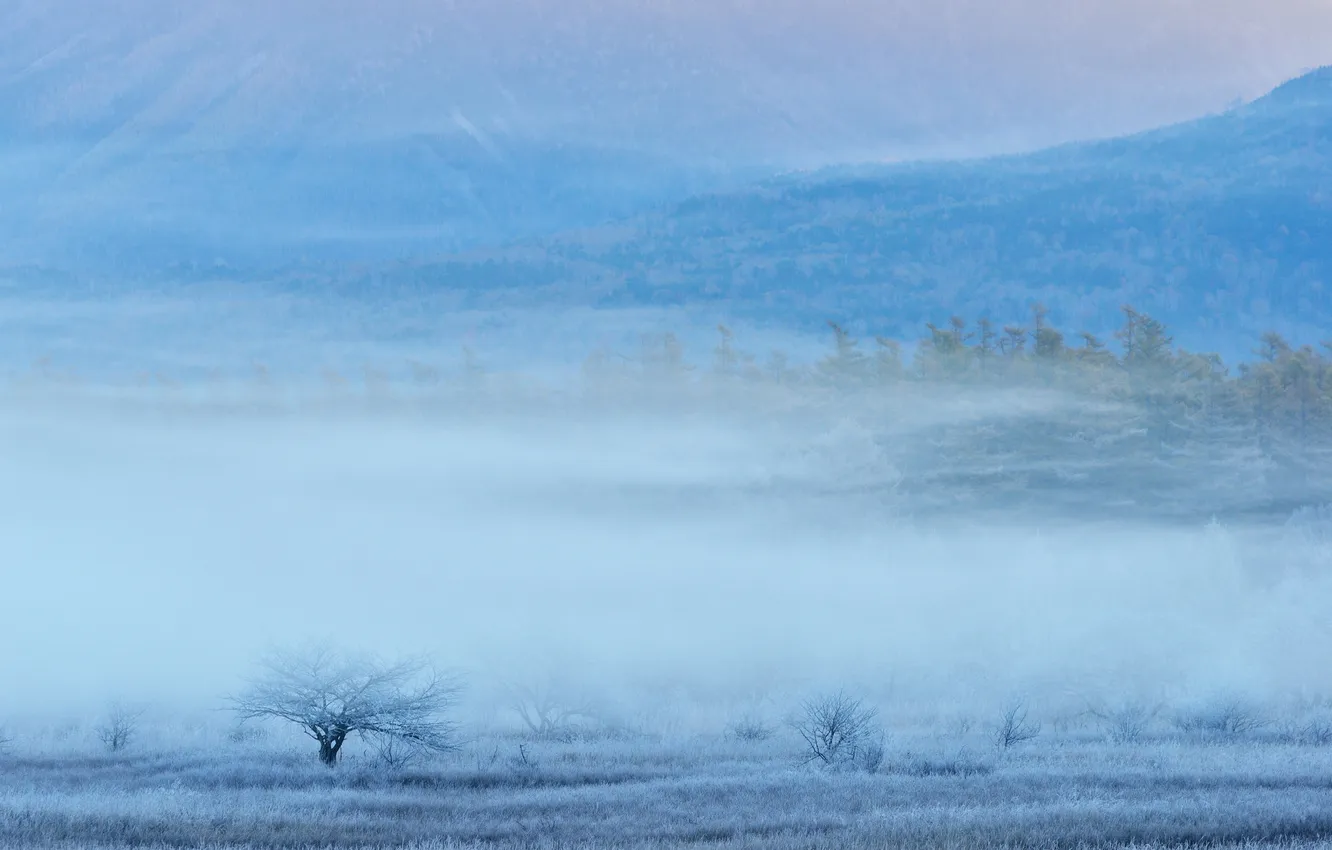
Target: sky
<point>799,81</point>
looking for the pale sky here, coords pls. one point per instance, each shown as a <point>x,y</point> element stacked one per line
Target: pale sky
<point>824,78</point>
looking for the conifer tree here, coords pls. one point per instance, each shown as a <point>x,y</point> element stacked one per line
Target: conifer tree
<point>888,360</point>
<point>987,344</point>
<point>847,363</point>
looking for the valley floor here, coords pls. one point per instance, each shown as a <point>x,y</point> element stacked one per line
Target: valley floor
<point>1071,792</point>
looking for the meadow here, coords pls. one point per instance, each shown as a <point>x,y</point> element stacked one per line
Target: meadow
<point>939,786</point>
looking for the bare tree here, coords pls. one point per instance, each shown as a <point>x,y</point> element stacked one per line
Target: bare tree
<point>331,695</point>
<point>546,711</point>
<point>1014,727</point>
<point>835,728</point>
<point>119,726</point>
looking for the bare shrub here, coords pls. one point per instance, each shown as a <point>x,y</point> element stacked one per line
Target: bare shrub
<point>242,734</point>
<point>1014,727</point>
<point>836,729</point>
<point>750,730</point>
<point>1125,723</point>
<point>394,752</point>
<point>119,727</point>
<point>5,740</point>
<point>1312,733</point>
<point>331,695</point>
<point>1224,718</point>
<point>1316,733</point>
<point>870,757</point>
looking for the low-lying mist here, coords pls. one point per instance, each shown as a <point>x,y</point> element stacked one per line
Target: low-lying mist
<point>727,545</point>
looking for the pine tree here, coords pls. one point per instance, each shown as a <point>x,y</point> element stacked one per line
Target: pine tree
<point>1014,343</point>
<point>1049,343</point>
<point>987,345</point>
<point>725,362</point>
<point>888,360</point>
<point>847,363</point>
<point>945,353</point>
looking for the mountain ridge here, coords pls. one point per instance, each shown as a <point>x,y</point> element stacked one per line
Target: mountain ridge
<point>1223,223</point>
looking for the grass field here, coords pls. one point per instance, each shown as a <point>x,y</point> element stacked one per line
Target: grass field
<point>1072,786</point>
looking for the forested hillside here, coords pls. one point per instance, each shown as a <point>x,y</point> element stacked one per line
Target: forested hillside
<point>1026,416</point>
<point>1218,226</point>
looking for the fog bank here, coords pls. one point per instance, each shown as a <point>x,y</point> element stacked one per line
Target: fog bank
<point>152,550</point>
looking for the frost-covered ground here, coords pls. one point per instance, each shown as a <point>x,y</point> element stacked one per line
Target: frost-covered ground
<point>937,787</point>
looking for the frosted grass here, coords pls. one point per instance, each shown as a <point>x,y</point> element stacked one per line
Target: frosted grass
<point>1071,791</point>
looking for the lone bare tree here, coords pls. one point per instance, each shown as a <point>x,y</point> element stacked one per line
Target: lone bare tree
<point>119,726</point>
<point>330,695</point>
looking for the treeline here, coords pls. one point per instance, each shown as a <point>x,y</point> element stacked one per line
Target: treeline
<point>1286,389</point>
<point>1148,422</point>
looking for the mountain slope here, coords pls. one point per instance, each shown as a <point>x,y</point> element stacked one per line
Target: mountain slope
<point>1218,224</point>
<point>260,206</point>
<point>143,132</point>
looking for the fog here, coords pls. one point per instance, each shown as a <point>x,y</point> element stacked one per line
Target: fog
<point>728,546</point>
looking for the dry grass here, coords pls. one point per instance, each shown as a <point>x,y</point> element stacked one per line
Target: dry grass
<point>716,792</point>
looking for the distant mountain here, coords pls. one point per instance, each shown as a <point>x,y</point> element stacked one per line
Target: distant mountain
<point>138,134</point>
<point>162,204</point>
<point>149,133</point>
<point>1218,224</point>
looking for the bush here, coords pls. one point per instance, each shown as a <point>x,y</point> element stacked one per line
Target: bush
<point>392,752</point>
<point>1226,718</point>
<point>750,730</point>
<point>870,757</point>
<point>1316,733</point>
<point>1312,733</point>
<point>1126,723</point>
<point>838,731</point>
<point>242,734</point>
<point>1014,728</point>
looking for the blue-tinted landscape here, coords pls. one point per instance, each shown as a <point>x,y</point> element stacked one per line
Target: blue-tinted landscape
<point>520,424</point>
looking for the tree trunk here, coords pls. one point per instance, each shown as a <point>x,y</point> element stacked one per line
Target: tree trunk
<point>329,748</point>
